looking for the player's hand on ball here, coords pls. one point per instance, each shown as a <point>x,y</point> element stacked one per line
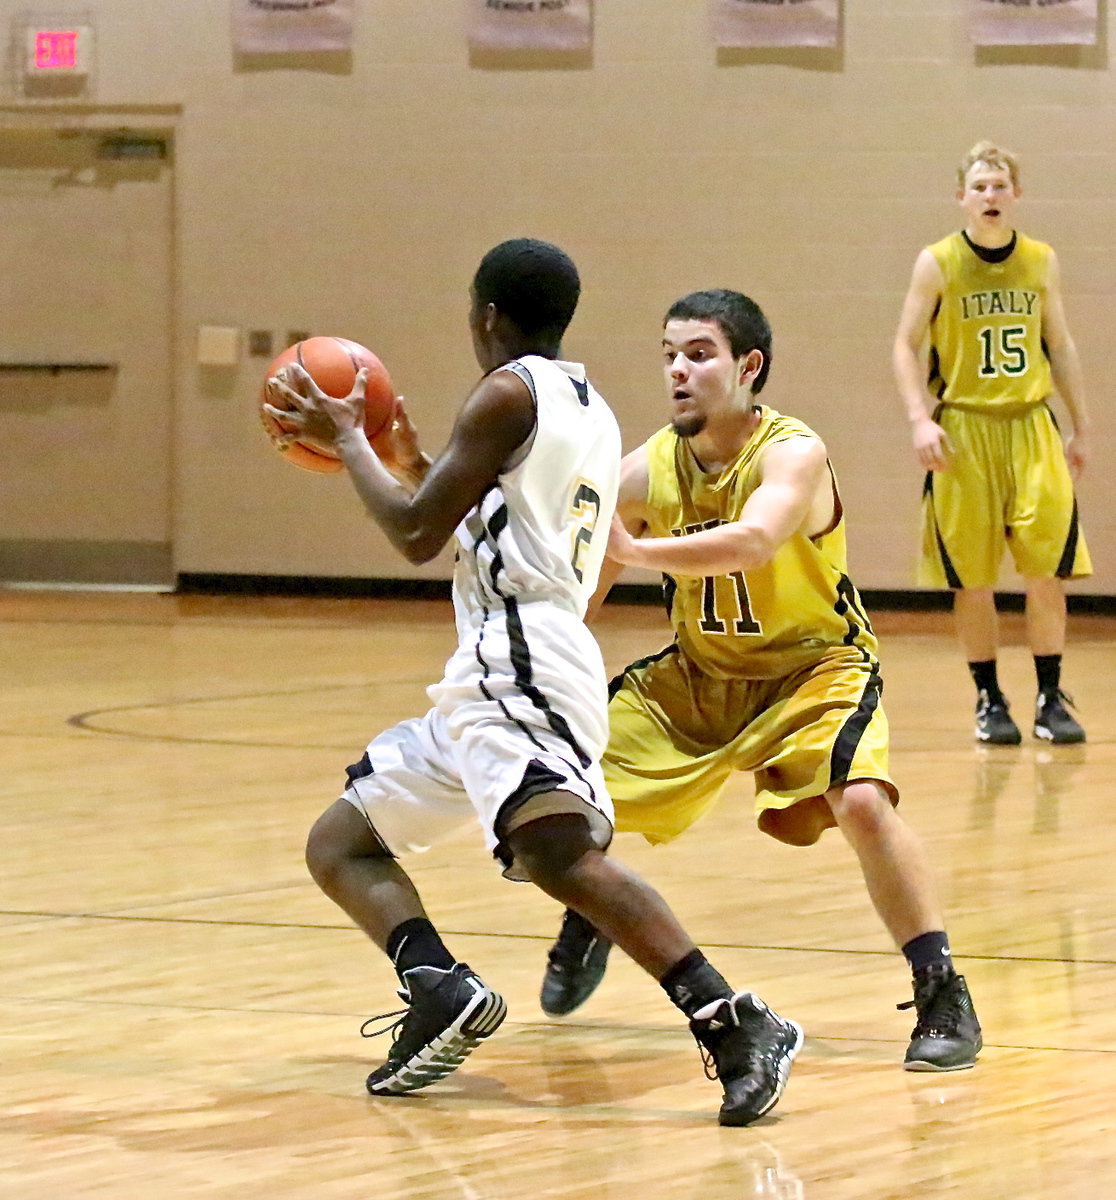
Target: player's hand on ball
<point>398,446</point>
<point>309,394</point>
<point>303,408</point>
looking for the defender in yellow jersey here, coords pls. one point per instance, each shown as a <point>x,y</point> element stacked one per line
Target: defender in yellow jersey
<point>773,667</point>
<point>988,302</point>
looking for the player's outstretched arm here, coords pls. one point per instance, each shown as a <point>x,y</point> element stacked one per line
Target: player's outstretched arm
<point>796,482</point>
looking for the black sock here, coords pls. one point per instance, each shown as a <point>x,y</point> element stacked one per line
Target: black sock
<point>1048,668</point>
<point>694,982</point>
<point>415,943</point>
<point>984,676</point>
<point>929,951</point>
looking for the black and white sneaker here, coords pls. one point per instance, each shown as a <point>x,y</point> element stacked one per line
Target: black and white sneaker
<point>448,1014</point>
<point>749,1049</point>
<point>946,1036</point>
<point>993,721</point>
<point>1053,721</point>
<point>575,966</point>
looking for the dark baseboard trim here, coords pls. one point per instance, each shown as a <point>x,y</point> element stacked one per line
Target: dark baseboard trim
<point>942,601</point>
<point>894,600</point>
<point>887,600</point>
<point>326,586</point>
<point>650,593</point>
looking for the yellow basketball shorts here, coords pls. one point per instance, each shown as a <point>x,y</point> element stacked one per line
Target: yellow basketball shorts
<point>1008,484</point>
<point>677,734</point>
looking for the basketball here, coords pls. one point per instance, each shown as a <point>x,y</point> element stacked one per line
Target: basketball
<point>332,363</point>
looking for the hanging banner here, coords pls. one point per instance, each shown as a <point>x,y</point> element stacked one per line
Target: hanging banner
<point>282,26</point>
<point>530,24</point>
<point>775,22</point>
<point>1033,22</point>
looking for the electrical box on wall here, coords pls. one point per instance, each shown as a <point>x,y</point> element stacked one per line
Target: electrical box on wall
<point>218,346</point>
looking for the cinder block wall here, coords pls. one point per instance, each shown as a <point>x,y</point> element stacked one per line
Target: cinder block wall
<point>358,198</point>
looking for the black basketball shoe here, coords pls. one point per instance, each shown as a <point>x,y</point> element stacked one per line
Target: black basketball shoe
<point>449,1013</point>
<point>993,721</point>
<point>574,967</point>
<point>1053,722</point>
<point>750,1049</point>
<point>946,1036</point>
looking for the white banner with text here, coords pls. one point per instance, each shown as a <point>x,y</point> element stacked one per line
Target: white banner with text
<point>530,24</point>
<point>285,26</point>
<point>1033,22</point>
<point>776,22</point>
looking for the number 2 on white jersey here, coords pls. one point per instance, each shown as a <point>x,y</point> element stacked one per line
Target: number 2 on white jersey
<point>586,510</point>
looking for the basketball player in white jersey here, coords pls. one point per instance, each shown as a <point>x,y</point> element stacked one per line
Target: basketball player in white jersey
<point>527,484</point>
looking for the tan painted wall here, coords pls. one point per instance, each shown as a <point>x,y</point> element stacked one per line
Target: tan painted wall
<point>358,201</point>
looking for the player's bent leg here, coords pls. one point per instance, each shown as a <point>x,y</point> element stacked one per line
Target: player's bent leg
<point>351,864</point>
<point>449,1010</point>
<point>897,872</point>
<point>558,855</point>
<point>892,858</point>
<point>747,1046</point>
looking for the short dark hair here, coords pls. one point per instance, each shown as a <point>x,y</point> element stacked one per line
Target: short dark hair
<point>534,284</point>
<point>740,319</point>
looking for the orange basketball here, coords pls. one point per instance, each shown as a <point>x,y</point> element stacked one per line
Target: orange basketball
<point>332,363</point>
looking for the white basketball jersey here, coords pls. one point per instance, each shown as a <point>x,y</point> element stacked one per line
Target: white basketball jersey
<point>540,531</point>
<point>520,718</point>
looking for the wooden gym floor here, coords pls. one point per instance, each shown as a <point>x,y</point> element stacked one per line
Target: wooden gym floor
<point>180,1006</point>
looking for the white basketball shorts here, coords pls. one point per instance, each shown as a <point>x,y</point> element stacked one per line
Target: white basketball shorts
<point>516,732</point>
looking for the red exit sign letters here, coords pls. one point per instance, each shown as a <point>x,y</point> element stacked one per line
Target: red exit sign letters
<point>58,51</point>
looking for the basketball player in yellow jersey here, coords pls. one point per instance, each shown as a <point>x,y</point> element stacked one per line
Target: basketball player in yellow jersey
<point>989,302</point>
<point>773,668</point>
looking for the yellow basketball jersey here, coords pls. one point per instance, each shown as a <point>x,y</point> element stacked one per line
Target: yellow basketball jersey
<point>986,350</point>
<point>759,624</point>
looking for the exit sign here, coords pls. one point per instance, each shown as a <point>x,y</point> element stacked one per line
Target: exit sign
<point>61,51</point>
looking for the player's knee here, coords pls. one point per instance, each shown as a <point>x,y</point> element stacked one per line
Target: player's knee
<point>861,808</point>
<point>337,836</point>
<point>549,849</point>
<point>322,852</point>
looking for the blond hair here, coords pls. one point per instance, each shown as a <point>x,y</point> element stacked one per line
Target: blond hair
<point>988,154</point>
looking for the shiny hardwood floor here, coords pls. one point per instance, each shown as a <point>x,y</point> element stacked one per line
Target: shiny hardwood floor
<point>181,1006</point>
